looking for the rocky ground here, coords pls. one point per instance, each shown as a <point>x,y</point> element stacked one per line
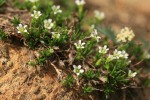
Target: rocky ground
<point>21,82</point>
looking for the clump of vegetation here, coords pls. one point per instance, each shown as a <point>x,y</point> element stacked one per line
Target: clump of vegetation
<point>3,35</point>
<point>69,81</point>
<point>93,62</point>
<point>2,2</point>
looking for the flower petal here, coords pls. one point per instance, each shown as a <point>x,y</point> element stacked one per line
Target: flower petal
<point>78,74</point>
<point>79,66</point>
<point>74,66</point>
<point>81,70</point>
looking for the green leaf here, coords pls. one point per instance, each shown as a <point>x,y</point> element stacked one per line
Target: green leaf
<point>3,35</point>
<point>2,2</point>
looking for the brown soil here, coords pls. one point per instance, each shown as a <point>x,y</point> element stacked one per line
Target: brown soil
<point>18,81</point>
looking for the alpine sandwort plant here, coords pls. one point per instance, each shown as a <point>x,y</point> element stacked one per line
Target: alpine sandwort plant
<point>56,9</point>
<point>80,2</point>
<point>33,1</point>
<point>44,55</point>
<point>3,35</point>
<point>68,81</point>
<point>88,89</point>
<point>93,63</point>
<point>36,14</point>
<point>22,28</point>
<point>48,24</point>
<point>95,35</point>
<point>77,69</point>
<point>99,15</point>
<point>15,21</point>
<point>125,35</point>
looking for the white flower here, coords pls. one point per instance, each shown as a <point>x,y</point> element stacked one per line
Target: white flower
<point>34,7</point>
<point>92,27</point>
<point>124,54</point>
<point>125,35</point>
<point>48,23</point>
<point>120,54</point>
<point>51,50</point>
<point>36,14</point>
<point>80,2</point>
<point>79,45</point>
<point>94,34</point>
<point>132,74</point>
<point>99,15</point>
<point>33,1</point>
<point>55,35</point>
<point>146,54</point>
<point>22,29</point>
<point>77,69</point>
<point>128,62</point>
<point>110,57</point>
<point>56,9</point>
<point>117,55</point>
<point>103,50</point>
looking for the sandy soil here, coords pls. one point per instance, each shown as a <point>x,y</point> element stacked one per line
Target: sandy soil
<point>18,81</point>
